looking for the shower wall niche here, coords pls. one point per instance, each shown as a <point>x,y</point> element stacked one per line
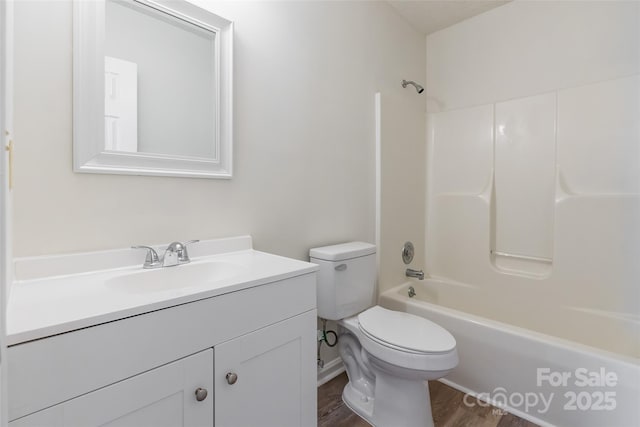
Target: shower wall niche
<point>522,196</point>
<point>504,155</point>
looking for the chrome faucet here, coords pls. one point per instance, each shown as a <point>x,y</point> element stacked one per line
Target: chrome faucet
<point>175,254</point>
<point>418,274</point>
<point>152,260</point>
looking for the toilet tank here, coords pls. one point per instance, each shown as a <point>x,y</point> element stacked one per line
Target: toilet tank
<point>346,279</point>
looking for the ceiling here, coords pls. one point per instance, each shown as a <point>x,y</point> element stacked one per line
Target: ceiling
<point>429,16</point>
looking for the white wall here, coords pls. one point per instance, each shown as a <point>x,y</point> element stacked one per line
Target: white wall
<point>304,174</point>
<point>402,183</point>
<point>305,75</point>
<point>534,149</point>
<point>531,47</point>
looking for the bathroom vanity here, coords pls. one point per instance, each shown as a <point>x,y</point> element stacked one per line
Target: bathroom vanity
<point>226,340</point>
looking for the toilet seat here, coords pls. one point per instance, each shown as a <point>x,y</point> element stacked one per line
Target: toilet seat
<point>405,332</point>
<point>405,340</point>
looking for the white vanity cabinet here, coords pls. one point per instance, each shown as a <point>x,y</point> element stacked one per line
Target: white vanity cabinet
<point>144,370</point>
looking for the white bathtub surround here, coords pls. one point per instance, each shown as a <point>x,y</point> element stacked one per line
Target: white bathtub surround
<point>534,168</point>
<point>519,369</point>
<point>577,232</point>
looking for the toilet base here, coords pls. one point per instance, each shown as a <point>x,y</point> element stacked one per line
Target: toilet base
<point>398,402</point>
<point>358,402</point>
<point>382,393</point>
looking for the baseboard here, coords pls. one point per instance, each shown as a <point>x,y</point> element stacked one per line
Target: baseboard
<point>330,370</point>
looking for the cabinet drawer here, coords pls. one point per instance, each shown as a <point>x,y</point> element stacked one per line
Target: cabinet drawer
<point>46,372</point>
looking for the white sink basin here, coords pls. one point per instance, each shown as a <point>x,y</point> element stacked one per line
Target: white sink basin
<point>57,294</point>
<point>176,277</point>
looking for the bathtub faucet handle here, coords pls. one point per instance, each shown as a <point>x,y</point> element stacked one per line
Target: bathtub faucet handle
<point>418,274</point>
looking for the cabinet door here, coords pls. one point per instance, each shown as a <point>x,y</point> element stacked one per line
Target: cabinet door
<point>275,373</point>
<point>162,397</point>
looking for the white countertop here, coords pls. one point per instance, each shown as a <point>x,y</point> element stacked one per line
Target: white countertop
<point>44,306</point>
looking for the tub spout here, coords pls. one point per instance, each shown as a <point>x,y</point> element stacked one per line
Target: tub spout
<point>418,274</point>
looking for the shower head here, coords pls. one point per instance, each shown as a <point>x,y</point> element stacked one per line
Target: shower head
<point>419,88</point>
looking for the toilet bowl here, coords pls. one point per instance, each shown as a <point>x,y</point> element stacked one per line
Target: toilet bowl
<point>388,355</point>
<point>388,372</point>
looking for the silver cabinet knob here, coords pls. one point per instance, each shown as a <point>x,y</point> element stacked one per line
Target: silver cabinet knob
<point>232,377</point>
<point>201,394</point>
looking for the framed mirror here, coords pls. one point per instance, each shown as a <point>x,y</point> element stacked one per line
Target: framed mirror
<point>153,89</point>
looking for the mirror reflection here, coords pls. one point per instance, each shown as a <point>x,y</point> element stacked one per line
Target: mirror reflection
<point>160,83</point>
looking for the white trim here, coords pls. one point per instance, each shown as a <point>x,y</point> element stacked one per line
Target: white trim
<point>170,9</point>
<point>89,154</point>
<point>378,196</point>
<point>6,130</point>
<point>330,370</point>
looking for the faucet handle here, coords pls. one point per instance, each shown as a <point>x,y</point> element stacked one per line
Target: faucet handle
<point>183,255</point>
<point>152,260</point>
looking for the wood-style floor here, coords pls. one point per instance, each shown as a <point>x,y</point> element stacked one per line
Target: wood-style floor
<point>446,404</point>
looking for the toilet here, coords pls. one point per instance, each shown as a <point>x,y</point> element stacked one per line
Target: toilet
<point>388,355</point>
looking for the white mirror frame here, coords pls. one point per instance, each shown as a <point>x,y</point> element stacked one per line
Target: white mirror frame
<point>89,154</point>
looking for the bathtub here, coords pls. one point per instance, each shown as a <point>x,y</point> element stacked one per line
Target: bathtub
<point>539,377</point>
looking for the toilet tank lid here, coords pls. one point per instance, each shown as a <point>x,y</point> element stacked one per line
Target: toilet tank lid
<point>343,251</point>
